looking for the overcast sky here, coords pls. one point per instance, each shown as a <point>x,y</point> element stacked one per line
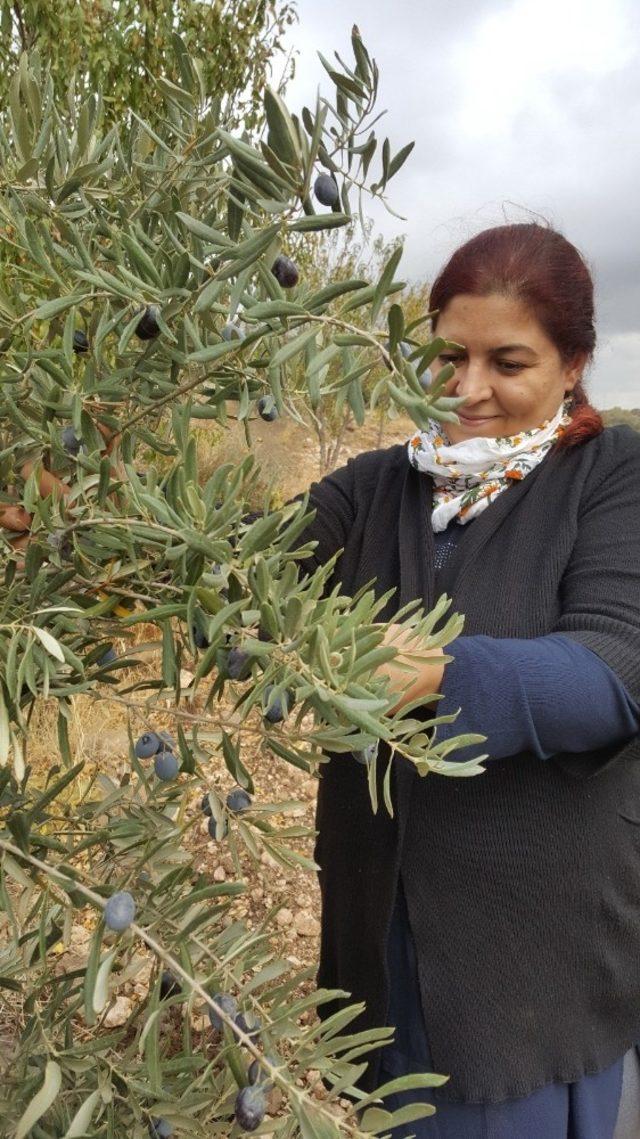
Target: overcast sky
<point>514,106</point>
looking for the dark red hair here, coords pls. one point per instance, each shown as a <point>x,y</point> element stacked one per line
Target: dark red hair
<point>536,265</point>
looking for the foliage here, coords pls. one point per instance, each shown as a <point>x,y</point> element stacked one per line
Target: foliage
<point>614,415</point>
<point>118,45</point>
<point>351,253</point>
<point>100,224</point>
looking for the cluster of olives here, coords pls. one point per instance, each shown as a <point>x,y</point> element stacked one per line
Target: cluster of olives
<point>238,800</point>
<point>161,746</point>
<point>120,910</point>
<point>247,1023</point>
<point>250,1103</point>
<point>284,269</point>
<point>147,328</point>
<point>235,662</point>
<point>286,274</point>
<point>236,665</point>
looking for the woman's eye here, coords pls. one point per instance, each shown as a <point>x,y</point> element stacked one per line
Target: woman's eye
<point>508,365</point>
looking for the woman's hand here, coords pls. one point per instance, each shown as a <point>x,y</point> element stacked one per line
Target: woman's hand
<point>426,678</point>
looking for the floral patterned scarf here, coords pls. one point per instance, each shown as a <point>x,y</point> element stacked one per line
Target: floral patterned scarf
<point>470,474</point>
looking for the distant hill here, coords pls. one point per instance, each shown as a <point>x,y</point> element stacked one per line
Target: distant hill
<point>613,415</point>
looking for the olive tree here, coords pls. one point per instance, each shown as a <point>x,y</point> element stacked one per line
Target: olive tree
<point>148,288</point>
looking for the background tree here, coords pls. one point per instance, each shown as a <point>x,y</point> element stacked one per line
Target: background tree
<point>131,253</point>
<point>117,46</point>
<point>613,415</point>
<point>330,409</point>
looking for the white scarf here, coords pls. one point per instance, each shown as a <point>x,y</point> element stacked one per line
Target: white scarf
<point>470,474</point>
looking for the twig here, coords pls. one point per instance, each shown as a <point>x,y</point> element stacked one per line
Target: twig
<point>290,1089</point>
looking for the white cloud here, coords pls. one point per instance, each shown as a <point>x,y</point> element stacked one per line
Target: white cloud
<point>507,66</point>
<point>615,379</point>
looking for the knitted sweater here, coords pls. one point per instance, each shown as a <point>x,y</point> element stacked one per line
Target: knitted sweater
<point>536,694</point>
<point>521,883</point>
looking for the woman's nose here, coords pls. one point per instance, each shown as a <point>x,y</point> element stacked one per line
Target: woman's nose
<point>472,379</point>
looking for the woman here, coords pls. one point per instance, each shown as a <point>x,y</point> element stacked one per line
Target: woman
<point>494,921</point>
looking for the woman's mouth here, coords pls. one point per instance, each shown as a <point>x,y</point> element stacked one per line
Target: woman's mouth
<point>474,422</point>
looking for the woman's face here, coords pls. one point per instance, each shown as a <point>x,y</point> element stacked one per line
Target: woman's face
<point>510,372</point>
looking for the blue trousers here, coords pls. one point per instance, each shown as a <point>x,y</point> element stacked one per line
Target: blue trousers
<point>587,1109</point>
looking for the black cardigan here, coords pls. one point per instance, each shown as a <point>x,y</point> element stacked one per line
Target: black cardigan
<point>523,883</point>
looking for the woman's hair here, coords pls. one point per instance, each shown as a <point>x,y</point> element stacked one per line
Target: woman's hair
<point>536,265</point>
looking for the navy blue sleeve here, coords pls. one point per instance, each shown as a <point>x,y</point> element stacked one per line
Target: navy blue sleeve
<point>543,694</point>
